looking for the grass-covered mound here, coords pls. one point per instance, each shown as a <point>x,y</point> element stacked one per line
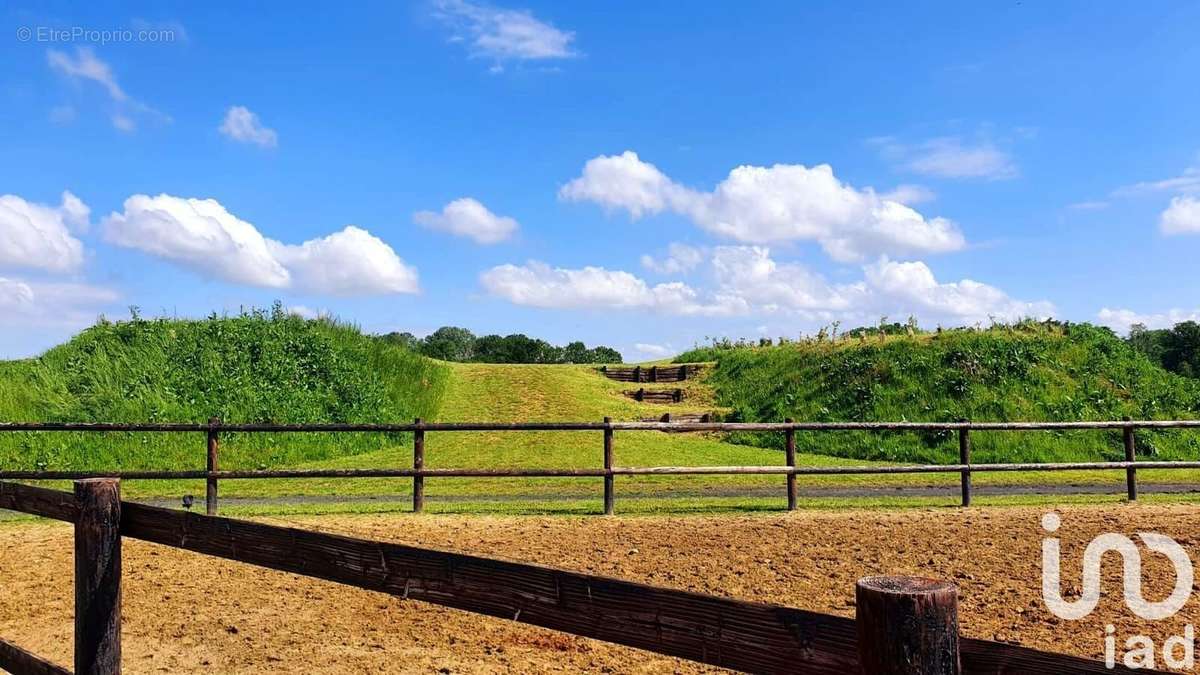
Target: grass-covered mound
<point>1026,372</point>
<point>257,367</point>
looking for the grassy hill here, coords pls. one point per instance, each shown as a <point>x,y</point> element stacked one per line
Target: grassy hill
<point>258,367</point>
<point>1025,372</point>
<point>273,367</point>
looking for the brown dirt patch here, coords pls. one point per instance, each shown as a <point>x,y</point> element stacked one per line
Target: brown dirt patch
<point>189,613</point>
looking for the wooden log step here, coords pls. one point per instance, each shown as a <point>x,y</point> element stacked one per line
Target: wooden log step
<point>655,395</point>
<point>650,373</point>
<point>681,418</point>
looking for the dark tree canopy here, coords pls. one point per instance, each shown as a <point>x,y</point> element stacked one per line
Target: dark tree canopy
<point>1176,349</point>
<point>451,343</point>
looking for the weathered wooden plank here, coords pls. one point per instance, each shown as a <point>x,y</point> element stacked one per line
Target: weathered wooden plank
<point>980,657</point>
<point>98,577</point>
<point>585,426</point>
<point>64,512</point>
<point>736,634</point>
<point>655,395</point>
<point>17,661</point>
<point>38,501</point>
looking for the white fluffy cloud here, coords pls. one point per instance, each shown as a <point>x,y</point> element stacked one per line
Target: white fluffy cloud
<point>784,202</point>
<point>350,262</point>
<point>37,236</point>
<point>747,281</point>
<point>87,66</point>
<point>950,157</point>
<point>910,288</point>
<point>28,303</point>
<point>680,259</point>
<point>243,126</point>
<point>536,284</point>
<point>1122,319</point>
<point>751,275</point>
<point>466,217</point>
<point>1181,217</point>
<point>653,350</point>
<point>202,235</point>
<point>199,234</point>
<point>504,34</point>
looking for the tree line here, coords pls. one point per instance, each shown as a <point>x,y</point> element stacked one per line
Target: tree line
<point>451,343</point>
<point>1176,349</point>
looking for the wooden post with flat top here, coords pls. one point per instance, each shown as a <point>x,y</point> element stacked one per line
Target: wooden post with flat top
<point>964,458</point>
<point>790,454</point>
<point>98,577</point>
<point>418,464</point>
<point>907,626</point>
<point>608,466</point>
<point>214,448</point>
<point>1130,456</point>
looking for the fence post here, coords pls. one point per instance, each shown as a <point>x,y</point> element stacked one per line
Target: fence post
<point>790,454</point>
<point>98,577</point>
<point>964,457</point>
<point>907,626</point>
<point>608,466</point>
<point>214,448</point>
<point>637,373</point>
<point>418,464</point>
<point>1130,456</point>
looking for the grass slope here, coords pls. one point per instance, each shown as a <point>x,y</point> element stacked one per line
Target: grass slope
<point>1023,372</point>
<point>257,367</point>
<point>404,386</point>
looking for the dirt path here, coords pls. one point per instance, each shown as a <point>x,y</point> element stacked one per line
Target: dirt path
<point>189,613</point>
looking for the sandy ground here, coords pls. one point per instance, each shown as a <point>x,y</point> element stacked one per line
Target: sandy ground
<point>189,613</point>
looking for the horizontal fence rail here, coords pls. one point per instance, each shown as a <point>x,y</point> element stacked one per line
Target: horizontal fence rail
<point>212,430</point>
<point>13,659</point>
<point>596,426</point>
<point>737,634</point>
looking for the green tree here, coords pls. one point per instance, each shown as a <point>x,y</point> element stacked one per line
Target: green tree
<point>1181,349</point>
<point>602,354</point>
<point>406,340</point>
<point>449,343</point>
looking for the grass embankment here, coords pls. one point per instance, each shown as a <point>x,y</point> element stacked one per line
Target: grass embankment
<point>1028,372</point>
<point>150,371</point>
<point>251,368</point>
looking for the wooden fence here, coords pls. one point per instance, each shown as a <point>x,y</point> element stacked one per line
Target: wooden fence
<point>650,373</point>
<point>645,395</point>
<point>609,469</point>
<point>736,634</point>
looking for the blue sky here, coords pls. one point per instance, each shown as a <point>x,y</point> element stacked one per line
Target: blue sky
<point>639,175</point>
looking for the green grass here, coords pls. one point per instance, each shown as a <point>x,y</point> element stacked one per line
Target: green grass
<point>1028,372</point>
<point>289,370</point>
<point>257,367</point>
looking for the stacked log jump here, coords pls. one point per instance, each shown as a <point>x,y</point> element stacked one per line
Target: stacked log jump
<point>655,395</point>
<point>651,373</point>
